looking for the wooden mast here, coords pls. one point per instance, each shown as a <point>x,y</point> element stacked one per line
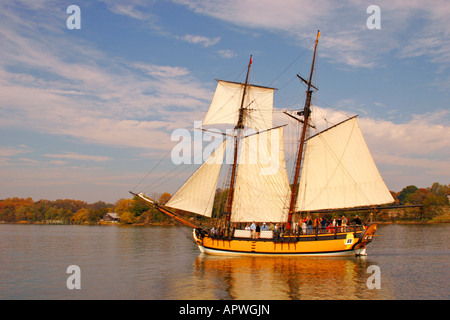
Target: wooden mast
<point>306,114</point>
<point>238,128</point>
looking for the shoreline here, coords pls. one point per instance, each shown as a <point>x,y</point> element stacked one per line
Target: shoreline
<point>174,224</point>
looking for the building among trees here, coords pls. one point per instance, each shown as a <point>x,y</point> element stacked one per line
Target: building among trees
<point>111,217</point>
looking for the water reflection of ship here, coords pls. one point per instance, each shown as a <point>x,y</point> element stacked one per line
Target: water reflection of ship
<point>287,278</point>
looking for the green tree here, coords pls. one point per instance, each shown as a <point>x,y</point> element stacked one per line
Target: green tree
<point>440,189</point>
<point>405,192</point>
<point>139,206</point>
<point>416,197</point>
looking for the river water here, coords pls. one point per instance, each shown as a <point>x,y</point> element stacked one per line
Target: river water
<point>163,263</point>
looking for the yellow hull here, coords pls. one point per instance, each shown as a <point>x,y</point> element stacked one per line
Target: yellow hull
<point>339,244</point>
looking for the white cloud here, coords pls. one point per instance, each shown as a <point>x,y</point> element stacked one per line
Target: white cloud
<point>161,71</point>
<point>8,151</point>
<point>135,9</point>
<point>422,136</point>
<point>408,28</point>
<point>198,39</point>
<point>77,156</point>
<point>86,94</point>
<point>129,11</point>
<point>290,15</point>
<point>226,53</point>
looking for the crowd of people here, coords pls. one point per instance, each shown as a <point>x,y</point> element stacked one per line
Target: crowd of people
<point>306,226</point>
<point>323,225</point>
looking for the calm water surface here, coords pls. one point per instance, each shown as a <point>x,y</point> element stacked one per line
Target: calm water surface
<point>119,262</point>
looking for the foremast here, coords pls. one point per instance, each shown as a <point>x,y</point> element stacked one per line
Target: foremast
<point>306,116</point>
<point>239,127</point>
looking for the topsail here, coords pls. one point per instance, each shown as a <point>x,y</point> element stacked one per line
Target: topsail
<point>226,103</point>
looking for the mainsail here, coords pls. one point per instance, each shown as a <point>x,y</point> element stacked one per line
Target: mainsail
<point>339,172</point>
<point>262,185</point>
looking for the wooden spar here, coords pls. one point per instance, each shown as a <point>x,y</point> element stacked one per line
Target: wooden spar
<point>163,210</point>
<point>189,224</point>
<point>306,114</point>
<point>239,127</point>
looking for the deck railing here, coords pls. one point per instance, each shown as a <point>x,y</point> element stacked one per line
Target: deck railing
<point>281,235</point>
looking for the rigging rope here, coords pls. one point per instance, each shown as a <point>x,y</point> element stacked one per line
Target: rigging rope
<point>290,65</point>
<point>150,171</point>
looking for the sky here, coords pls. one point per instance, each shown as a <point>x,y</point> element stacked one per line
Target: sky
<point>88,113</point>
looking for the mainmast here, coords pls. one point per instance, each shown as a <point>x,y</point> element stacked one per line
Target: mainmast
<point>306,114</point>
<point>239,126</point>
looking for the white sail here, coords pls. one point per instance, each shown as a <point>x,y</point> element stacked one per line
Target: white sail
<point>226,102</point>
<point>262,186</point>
<point>197,194</point>
<point>339,172</point>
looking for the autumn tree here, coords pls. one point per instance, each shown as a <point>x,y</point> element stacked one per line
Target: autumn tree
<point>23,213</point>
<point>164,198</point>
<point>417,197</point>
<point>405,192</point>
<point>81,215</point>
<point>140,206</point>
<point>127,218</point>
<point>124,205</point>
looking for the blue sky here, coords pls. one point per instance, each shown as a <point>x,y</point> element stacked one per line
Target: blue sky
<point>86,113</point>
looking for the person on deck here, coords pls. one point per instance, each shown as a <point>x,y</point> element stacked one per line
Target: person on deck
<point>323,224</point>
<point>316,225</point>
<point>357,220</point>
<point>304,226</point>
<point>309,225</point>
<point>344,224</point>
<point>253,230</point>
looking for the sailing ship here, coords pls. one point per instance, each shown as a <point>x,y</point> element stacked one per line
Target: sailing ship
<point>334,170</point>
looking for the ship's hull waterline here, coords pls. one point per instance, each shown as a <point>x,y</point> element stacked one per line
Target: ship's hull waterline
<point>339,244</point>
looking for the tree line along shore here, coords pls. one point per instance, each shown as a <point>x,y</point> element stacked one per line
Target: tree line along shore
<point>433,205</point>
